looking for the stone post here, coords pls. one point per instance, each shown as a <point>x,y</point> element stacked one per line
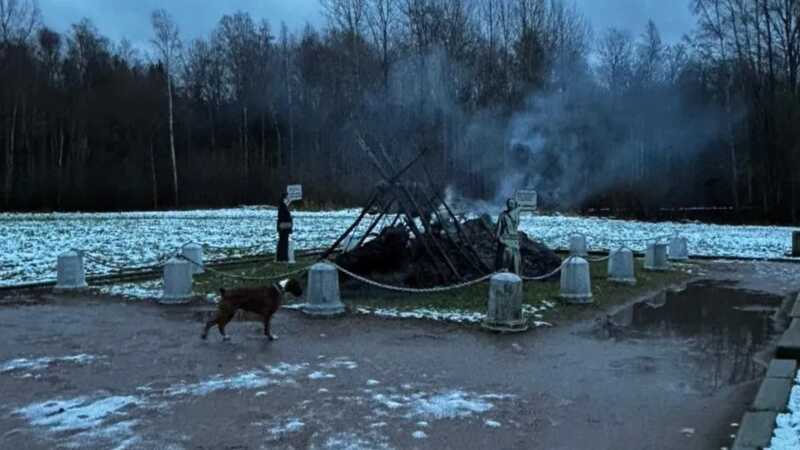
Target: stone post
<point>194,256</point>
<point>577,245</point>
<point>576,282</point>
<point>177,281</point>
<point>504,312</point>
<point>620,267</point>
<point>678,248</point>
<point>322,292</point>
<point>290,251</point>
<point>796,244</point>
<point>71,274</point>
<point>655,257</point>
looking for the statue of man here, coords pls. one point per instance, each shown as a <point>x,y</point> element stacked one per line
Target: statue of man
<point>285,225</point>
<point>508,253</point>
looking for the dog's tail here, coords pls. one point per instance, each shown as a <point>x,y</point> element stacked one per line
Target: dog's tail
<point>222,291</point>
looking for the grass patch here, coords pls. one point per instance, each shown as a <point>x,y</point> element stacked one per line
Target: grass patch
<point>246,276</point>
<point>471,299</point>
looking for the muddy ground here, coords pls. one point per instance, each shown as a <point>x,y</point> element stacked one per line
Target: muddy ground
<point>136,375</point>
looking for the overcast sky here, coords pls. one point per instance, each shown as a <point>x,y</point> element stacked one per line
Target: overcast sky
<point>130,18</point>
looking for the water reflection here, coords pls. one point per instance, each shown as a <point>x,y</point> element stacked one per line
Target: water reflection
<point>719,329</point>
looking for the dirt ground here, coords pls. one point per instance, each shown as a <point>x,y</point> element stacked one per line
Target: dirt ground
<point>136,375</point>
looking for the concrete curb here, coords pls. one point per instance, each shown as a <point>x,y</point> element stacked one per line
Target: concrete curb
<point>758,423</point>
<point>789,344</point>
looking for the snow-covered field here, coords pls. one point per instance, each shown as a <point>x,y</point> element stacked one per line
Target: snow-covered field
<point>31,242</point>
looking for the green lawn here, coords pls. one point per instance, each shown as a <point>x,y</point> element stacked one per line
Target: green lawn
<point>470,299</point>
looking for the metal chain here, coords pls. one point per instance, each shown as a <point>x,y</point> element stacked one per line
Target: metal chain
<point>597,260</point>
<point>413,290</point>
<point>244,277</point>
<point>548,275</point>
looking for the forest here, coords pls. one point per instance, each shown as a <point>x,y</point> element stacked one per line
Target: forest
<point>498,94</point>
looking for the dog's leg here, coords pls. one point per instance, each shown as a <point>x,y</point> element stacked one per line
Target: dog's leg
<point>223,320</point>
<point>208,326</point>
<point>267,320</point>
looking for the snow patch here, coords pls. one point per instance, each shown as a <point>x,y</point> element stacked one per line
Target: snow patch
<point>90,421</point>
<point>419,435</point>
<point>317,375</point>
<point>447,315</point>
<point>491,423</point>
<point>255,379</point>
<point>351,441</point>
<point>285,369</point>
<point>44,362</point>
<point>443,405</point>
<point>339,363</point>
<point>786,435</point>
<point>291,426</point>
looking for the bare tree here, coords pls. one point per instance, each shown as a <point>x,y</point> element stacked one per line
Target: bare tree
<point>616,60</point>
<point>167,42</point>
<point>18,19</point>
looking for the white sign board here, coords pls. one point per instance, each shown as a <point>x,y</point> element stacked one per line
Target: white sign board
<point>294,192</point>
<point>526,198</point>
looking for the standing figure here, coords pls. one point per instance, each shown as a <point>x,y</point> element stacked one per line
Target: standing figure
<point>284,228</point>
<point>508,253</point>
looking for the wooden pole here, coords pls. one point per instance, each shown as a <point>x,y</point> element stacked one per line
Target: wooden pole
<point>349,230</point>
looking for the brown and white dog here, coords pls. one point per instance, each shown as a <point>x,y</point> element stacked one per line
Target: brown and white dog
<point>260,300</point>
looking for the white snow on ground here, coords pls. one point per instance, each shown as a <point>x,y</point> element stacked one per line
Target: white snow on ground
<point>350,441</point>
<point>339,363</point>
<point>704,239</point>
<point>317,375</point>
<point>491,423</point>
<point>44,362</point>
<point>91,419</point>
<point>291,426</point>
<point>285,369</point>
<point>32,241</point>
<point>148,289</point>
<point>787,431</point>
<point>443,405</point>
<point>419,434</point>
<point>447,315</point>
<point>248,380</point>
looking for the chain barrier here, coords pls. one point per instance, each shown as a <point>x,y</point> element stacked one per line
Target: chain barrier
<point>413,290</point>
<point>548,275</point>
<point>245,277</point>
<point>597,260</point>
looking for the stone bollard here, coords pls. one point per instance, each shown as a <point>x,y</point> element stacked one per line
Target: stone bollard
<point>504,312</point>
<point>71,273</point>
<point>577,245</point>
<point>177,281</point>
<point>290,251</point>
<point>620,267</point>
<point>655,258</point>
<point>194,256</point>
<point>576,282</point>
<point>796,243</point>
<point>322,292</point>
<point>678,248</point>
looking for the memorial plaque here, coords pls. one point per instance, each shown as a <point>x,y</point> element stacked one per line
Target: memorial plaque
<point>294,192</point>
<point>526,198</point>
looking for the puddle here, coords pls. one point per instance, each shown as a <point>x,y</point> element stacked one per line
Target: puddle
<point>726,335</point>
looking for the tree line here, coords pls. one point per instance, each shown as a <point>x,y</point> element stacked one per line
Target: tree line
<point>499,94</point>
